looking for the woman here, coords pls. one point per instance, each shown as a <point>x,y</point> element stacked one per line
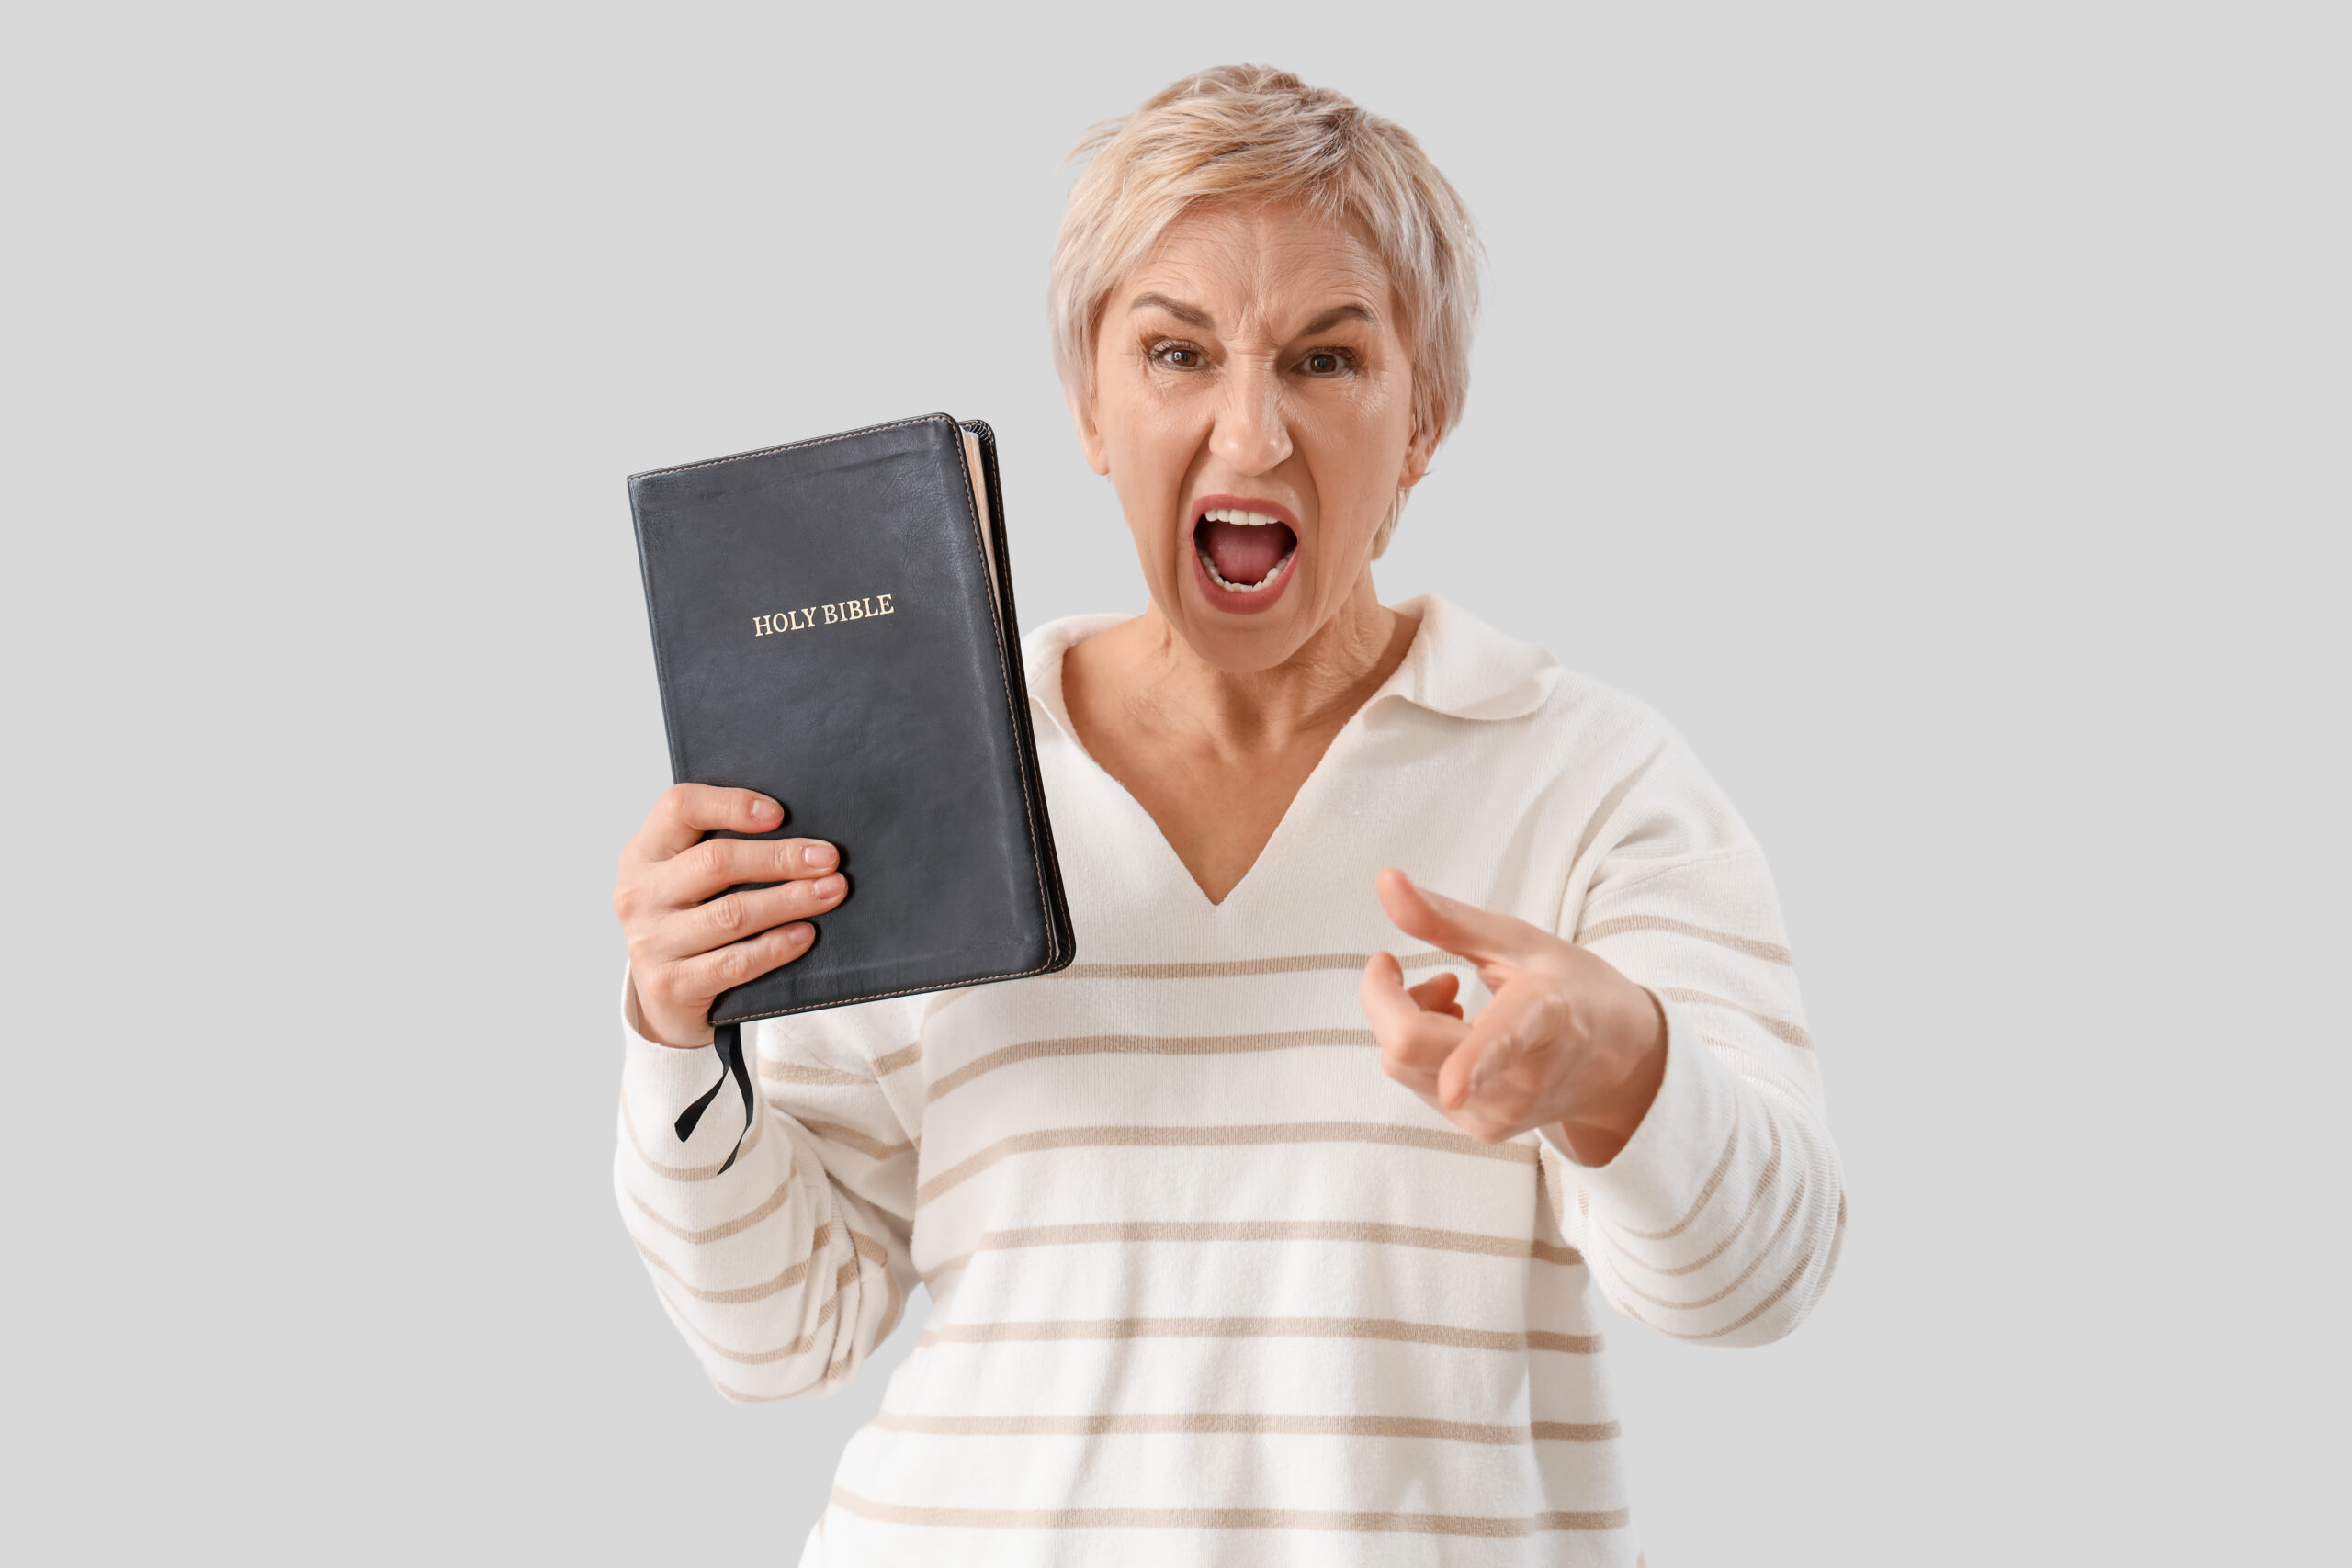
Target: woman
<point>1240,1249</point>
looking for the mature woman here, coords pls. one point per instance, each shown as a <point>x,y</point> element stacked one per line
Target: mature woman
<point>1248,1241</point>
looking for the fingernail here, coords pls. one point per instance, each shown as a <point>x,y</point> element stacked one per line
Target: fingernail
<point>826,886</point>
<point>798,932</point>
<point>763,809</point>
<point>815,857</point>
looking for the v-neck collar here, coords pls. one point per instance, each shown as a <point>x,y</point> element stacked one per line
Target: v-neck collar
<point>1457,665</point>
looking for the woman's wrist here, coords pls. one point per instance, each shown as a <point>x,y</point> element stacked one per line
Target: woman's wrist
<point>633,1014</point>
<point>1605,1124</point>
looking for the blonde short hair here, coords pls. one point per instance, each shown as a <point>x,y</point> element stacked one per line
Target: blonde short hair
<point>1253,133</point>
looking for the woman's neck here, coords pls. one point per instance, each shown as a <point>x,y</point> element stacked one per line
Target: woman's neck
<point>1159,680</point>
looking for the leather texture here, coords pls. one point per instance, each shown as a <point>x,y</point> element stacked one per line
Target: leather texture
<point>903,738</point>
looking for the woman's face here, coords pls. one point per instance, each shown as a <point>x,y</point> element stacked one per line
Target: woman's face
<point>1253,406</point>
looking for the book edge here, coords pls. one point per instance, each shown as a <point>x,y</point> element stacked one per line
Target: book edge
<point>794,446</point>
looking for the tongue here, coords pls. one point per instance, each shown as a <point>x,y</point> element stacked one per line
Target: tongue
<point>1244,553</point>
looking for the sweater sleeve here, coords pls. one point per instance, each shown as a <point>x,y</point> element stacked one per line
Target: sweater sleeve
<point>786,1271</point>
<point>1720,1220</point>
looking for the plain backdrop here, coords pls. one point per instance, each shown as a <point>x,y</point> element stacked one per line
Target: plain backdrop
<point>1939,413</point>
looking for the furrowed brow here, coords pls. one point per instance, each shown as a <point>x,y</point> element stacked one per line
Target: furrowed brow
<point>1334,316</point>
<point>1191,315</point>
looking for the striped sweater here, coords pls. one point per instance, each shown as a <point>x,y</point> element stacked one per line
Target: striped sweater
<point>1206,1286</point>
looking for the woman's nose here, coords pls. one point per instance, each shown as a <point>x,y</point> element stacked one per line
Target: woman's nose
<point>1253,428</point>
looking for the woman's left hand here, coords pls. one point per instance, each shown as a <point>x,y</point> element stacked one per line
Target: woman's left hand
<point>1566,1040</point>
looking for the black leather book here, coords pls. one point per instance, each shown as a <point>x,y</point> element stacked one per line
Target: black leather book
<point>833,626</point>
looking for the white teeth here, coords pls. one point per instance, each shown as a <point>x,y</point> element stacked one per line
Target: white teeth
<point>1235,514</point>
<point>1258,587</point>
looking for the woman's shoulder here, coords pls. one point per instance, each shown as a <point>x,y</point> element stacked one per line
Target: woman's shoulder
<point>1462,665</point>
<point>1042,649</point>
<point>1042,646</point>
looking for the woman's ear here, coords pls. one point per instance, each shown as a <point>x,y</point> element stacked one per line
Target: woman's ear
<point>1422,449</point>
<point>1089,434</point>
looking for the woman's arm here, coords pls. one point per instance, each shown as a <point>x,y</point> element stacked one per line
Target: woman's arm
<point>1661,1056</point>
<point>784,1271</point>
<point>1721,1218</point>
<point>780,1247</point>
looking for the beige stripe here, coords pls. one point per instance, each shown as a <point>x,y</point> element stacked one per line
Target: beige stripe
<point>1233,968</point>
<point>845,1276</point>
<point>1226,969</point>
<point>1145,1045</point>
<point>1262,1230</point>
<point>1388,1328</point>
<point>850,1137</point>
<point>1792,1032</point>
<point>1221,1137</point>
<point>800,1072</point>
<point>1226,1518</point>
<point>1574,1431</point>
<point>1796,1200</point>
<point>1755,1198</point>
<point>1759,1310</point>
<point>1749,945</point>
<point>1251,1422</point>
<point>799,1346</point>
<point>1714,1179</point>
<point>718,1232</point>
<point>688,1172</point>
<point>868,1247</point>
<point>742,1293</point>
<point>1836,1238</point>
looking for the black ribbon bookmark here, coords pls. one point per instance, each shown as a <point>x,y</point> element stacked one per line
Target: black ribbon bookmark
<point>729,1041</point>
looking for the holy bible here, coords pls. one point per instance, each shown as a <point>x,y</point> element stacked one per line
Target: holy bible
<point>834,627</point>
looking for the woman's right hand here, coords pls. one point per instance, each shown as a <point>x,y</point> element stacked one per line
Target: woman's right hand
<point>685,946</point>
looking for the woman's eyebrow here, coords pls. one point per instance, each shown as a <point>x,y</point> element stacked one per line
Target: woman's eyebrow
<point>1191,315</point>
<point>1334,316</point>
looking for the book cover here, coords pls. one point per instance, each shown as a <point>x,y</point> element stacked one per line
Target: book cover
<point>833,626</point>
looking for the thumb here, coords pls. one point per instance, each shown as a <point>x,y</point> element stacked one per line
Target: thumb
<point>1477,934</point>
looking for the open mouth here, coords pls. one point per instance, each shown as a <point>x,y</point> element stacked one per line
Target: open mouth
<point>1243,551</point>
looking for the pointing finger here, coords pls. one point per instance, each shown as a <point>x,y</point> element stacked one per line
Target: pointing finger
<point>1477,934</point>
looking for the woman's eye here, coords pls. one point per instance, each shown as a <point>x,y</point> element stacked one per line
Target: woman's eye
<point>1323,362</point>
<point>1179,356</point>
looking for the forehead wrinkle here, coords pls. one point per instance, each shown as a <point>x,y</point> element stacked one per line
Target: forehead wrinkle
<point>1302,306</point>
<point>1261,255</point>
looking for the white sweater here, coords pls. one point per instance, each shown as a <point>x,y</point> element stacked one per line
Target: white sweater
<point>1205,1285</point>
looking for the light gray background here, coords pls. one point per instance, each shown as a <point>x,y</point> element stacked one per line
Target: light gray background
<point>1939,413</point>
